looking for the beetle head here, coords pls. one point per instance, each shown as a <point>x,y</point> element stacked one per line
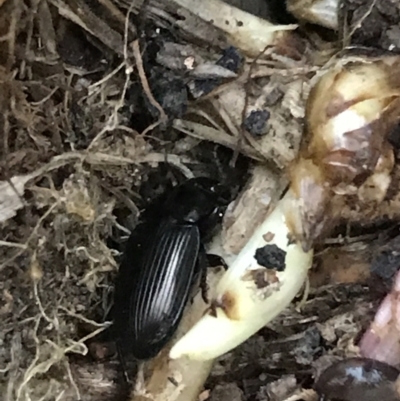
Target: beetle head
<point>197,199</point>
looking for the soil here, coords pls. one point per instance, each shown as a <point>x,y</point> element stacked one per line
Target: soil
<point>88,140</point>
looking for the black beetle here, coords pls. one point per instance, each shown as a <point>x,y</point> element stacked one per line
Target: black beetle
<point>163,259</point>
<point>358,379</point>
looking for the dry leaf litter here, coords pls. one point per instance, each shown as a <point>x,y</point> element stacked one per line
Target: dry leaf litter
<point>104,104</point>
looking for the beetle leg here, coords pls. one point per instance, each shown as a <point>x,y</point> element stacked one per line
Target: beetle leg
<point>204,287</point>
<point>216,261</point>
<point>205,261</point>
<point>202,263</point>
<point>122,362</point>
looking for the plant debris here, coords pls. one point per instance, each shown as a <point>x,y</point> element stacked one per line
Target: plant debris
<point>104,104</point>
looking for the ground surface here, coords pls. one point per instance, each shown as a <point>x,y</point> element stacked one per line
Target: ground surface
<point>75,114</point>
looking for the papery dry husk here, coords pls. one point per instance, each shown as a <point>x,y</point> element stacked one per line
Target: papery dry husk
<point>350,113</point>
